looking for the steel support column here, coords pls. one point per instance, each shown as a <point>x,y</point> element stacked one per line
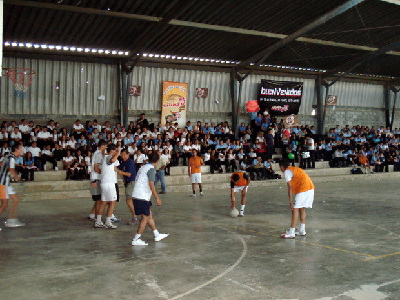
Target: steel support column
<point>319,92</point>
<point>386,97</point>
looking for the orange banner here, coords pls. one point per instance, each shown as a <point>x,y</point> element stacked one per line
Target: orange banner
<point>174,97</point>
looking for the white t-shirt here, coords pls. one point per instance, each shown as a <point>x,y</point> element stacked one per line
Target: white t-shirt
<point>107,170</point>
<point>206,157</point>
<point>3,136</point>
<point>141,158</point>
<point>196,147</point>
<point>78,127</point>
<point>47,152</point>
<point>310,147</point>
<point>97,158</point>
<point>142,189</point>
<point>288,175</point>
<point>132,150</point>
<point>72,144</point>
<point>16,135</point>
<point>35,151</point>
<point>68,159</point>
<point>24,128</point>
<point>44,135</point>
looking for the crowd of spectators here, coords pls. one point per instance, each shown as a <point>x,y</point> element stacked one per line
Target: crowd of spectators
<point>251,149</point>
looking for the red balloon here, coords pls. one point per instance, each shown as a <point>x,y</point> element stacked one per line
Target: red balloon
<point>252,106</point>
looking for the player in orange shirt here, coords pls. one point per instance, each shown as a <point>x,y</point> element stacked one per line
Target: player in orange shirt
<point>299,184</point>
<point>239,183</point>
<point>194,170</point>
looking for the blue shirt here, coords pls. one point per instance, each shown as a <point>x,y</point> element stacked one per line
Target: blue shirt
<point>128,166</point>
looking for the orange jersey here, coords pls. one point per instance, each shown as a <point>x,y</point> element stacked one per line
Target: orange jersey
<point>300,182</point>
<point>362,159</point>
<point>242,181</point>
<point>195,164</point>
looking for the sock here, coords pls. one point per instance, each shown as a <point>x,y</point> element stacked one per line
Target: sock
<point>137,236</point>
<point>302,227</point>
<point>242,209</point>
<point>108,220</point>
<point>194,192</point>
<point>91,216</point>
<point>156,233</point>
<point>98,219</point>
<point>112,216</point>
<point>201,190</point>
<point>291,231</point>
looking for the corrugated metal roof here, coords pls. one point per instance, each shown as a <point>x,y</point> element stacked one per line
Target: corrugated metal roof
<point>249,28</point>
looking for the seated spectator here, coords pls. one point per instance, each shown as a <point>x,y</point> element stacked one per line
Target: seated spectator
<point>47,156</point>
<point>215,163</point>
<point>363,161</point>
<point>36,153</point>
<point>29,163</point>
<point>68,161</point>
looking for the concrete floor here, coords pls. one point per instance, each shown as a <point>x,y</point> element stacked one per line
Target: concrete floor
<point>351,250</point>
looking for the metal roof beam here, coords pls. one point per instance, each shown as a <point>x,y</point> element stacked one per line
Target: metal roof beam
<point>263,55</point>
<point>352,65</point>
<point>175,22</point>
<point>177,8</point>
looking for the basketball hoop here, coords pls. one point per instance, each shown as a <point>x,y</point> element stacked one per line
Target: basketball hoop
<point>22,79</point>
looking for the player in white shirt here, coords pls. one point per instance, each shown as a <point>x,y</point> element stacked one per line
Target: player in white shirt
<point>144,188</point>
<point>108,191</point>
<point>95,176</point>
<point>7,169</point>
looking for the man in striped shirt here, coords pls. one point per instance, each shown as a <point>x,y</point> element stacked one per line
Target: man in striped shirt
<point>7,169</point>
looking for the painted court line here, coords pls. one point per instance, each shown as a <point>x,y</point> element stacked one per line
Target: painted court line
<point>231,268</point>
<point>382,256</point>
<point>297,240</point>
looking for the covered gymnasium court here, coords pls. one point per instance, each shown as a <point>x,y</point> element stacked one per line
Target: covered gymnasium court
<point>107,60</point>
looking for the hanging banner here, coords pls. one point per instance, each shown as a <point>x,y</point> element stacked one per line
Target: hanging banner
<point>174,97</point>
<point>280,97</point>
<point>331,100</point>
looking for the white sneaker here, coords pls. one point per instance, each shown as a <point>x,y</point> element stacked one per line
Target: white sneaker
<point>201,194</point>
<point>161,236</point>
<point>114,219</point>
<point>193,195</point>
<point>110,225</point>
<point>139,242</point>
<point>300,232</point>
<point>98,224</point>
<point>287,235</point>
<point>13,223</point>
<point>240,215</point>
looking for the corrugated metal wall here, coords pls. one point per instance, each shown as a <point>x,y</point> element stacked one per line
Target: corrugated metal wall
<point>349,94</point>
<point>358,94</point>
<point>80,84</point>
<point>150,79</point>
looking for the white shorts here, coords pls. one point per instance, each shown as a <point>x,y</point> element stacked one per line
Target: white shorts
<point>304,200</point>
<point>196,178</point>
<point>240,188</point>
<point>9,191</point>
<point>108,192</point>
